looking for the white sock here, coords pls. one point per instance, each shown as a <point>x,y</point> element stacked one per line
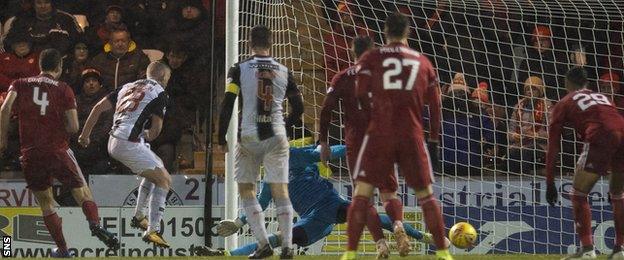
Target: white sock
<point>145,188</point>
<point>284,212</point>
<point>255,219</point>
<point>156,208</point>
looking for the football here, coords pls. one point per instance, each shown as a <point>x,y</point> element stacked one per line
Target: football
<point>463,235</point>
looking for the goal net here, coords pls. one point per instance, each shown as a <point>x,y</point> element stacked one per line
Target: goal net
<point>501,65</point>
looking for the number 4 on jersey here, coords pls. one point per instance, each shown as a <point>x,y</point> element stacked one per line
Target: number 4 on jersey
<point>394,67</point>
<point>41,101</point>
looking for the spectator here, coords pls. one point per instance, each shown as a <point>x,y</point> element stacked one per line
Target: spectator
<point>579,58</point>
<point>148,19</point>
<point>98,35</point>
<point>94,158</point>
<point>187,94</point>
<point>19,62</point>
<point>122,61</point>
<point>528,128</point>
<point>467,134</point>
<point>74,65</point>
<point>191,26</point>
<point>542,61</point>
<point>610,85</point>
<point>49,27</point>
<point>336,42</point>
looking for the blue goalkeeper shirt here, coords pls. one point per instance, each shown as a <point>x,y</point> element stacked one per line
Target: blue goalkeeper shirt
<point>306,187</point>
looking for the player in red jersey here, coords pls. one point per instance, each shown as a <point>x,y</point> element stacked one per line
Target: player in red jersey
<point>356,121</point>
<point>401,82</point>
<point>598,123</point>
<point>47,115</point>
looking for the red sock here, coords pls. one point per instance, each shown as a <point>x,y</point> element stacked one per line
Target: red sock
<point>373,223</point>
<point>55,227</point>
<point>394,209</point>
<point>582,217</point>
<point>356,219</point>
<point>433,219</point>
<point>90,210</point>
<point>617,202</point>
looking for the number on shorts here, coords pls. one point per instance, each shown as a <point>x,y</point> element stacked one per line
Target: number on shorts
<point>394,67</point>
<point>584,101</point>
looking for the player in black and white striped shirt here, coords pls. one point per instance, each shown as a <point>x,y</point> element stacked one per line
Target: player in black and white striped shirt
<point>263,84</point>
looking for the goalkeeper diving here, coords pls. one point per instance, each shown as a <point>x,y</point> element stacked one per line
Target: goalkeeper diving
<point>315,200</point>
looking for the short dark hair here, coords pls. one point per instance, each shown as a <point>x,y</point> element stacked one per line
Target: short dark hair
<point>577,77</point>
<point>361,44</point>
<point>49,60</point>
<point>261,37</point>
<point>397,25</point>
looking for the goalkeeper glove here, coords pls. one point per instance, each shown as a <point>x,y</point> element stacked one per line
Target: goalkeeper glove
<point>551,193</point>
<point>228,227</point>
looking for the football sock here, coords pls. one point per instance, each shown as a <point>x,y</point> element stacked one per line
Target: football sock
<point>90,210</point>
<point>617,202</point>
<point>386,223</point>
<point>284,212</point>
<point>156,208</point>
<point>394,209</point>
<point>373,223</point>
<point>433,219</point>
<point>55,227</point>
<point>582,217</point>
<point>145,188</point>
<point>250,248</point>
<point>255,219</point>
<point>356,219</point>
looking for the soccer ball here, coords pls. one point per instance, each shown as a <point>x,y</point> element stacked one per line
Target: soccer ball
<point>463,235</point>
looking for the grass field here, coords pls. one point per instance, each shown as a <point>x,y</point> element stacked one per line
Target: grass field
<point>460,257</point>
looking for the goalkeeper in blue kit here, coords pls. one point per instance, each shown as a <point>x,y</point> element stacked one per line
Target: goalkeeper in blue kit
<point>315,200</point>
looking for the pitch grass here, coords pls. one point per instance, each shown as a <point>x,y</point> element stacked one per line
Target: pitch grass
<point>322,257</point>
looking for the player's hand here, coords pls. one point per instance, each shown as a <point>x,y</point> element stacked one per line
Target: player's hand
<point>432,147</point>
<point>551,194</point>
<point>84,141</point>
<point>325,152</point>
<point>228,227</point>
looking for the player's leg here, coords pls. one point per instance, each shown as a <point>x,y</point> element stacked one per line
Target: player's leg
<point>616,190</point>
<point>386,223</point>
<point>394,210</point>
<point>276,174</point>
<point>139,220</point>
<point>69,174</point>
<point>157,198</point>
<point>246,169</point>
<point>415,166</point>
<point>52,221</point>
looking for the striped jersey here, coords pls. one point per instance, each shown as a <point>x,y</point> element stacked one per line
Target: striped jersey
<point>135,103</point>
<point>262,83</point>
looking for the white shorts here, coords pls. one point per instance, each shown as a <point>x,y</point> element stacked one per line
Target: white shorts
<point>136,156</point>
<point>272,153</point>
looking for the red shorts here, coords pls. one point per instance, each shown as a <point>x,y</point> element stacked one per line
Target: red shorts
<point>40,167</point>
<point>382,158</point>
<point>603,152</point>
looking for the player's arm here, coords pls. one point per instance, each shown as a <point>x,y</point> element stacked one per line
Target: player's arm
<point>232,88</point>
<point>155,128</point>
<point>363,80</point>
<point>313,155</point>
<point>554,141</point>
<point>295,99</point>
<point>157,108</point>
<point>329,105</point>
<point>5,115</point>
<point>71,121</point>
<point>104,105</point>
<point>435,110</point>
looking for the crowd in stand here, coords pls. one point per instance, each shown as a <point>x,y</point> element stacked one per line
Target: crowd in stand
<point>501,71</point>
<point>105,45</point>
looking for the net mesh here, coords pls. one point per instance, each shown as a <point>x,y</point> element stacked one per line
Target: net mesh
<point>501,65</point>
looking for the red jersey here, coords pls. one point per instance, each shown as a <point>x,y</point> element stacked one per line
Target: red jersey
<point>402,81</point>
<point>40,105</point>
<point>591,114</point>
<point>342,89</point>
